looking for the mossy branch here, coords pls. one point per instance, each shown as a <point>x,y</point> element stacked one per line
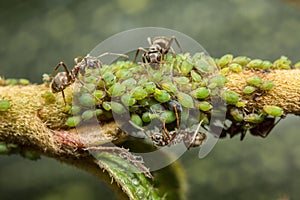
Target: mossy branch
<point>35,120</point>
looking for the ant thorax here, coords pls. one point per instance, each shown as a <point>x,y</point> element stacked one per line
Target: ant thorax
<point>88,62</point>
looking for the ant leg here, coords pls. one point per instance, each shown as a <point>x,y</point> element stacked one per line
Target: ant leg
<point>173,38</point>
<point>177,117</point>
<point>137,53</point>
<point>64,98</point>
<point>167,132</point>
<point>149,41</point>
<point>66,70</point>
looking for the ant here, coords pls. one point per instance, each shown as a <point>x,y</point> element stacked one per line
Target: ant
<point>189,137</point>
<point>159,48</point>
<point>63,79</point>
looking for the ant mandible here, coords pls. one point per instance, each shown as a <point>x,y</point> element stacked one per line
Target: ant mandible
<point>159,48</point>
<point>63,79</point>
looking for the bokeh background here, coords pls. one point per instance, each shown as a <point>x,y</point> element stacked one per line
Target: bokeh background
<point>36,34</point>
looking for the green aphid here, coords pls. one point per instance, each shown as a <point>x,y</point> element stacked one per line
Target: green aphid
<point>87,115</point>
<point>200,93</point>
<point>255,64</point>
<point>73,121</point>
<point>75,110</point>
<point>185,100</point>
<point>123,74</point>
<point>212,86</point>
<point>224,71</point>
<point>219,80</point>
<point>48,97</point>
<point>87,100</point>
<point>29,154</point>
<point>23,81</point>
<point>4,105</point>
<point>254,118</point>
<point>240,104</point>
<point>273,110</point>
<point>230,97</point>
<point>168,116</point>
<point>195,76</point>
<point>117,90</point>
<point>267,85</point>
<point>205,106</point>
<point>235,67</point>
<point>161,96</point>
<point>139,93</point>
<point>150,87</point>
<point>249,89</point>
<point>136,119</point>
<point>4,148</point>
<point>225,60</point>
<point>203,117</point>
<point>182,80</point>
<point>98,112</point>
<point>89,87</point>
<point>67,109</point>
<point>11,81</point>
<point>186,67</point>
<point>255,81</point>
<point>99,94</point>
<point>202,66</point>
<point>146,117</point>
<point>128,100</point>
<point>282,63</point>
<point>148,101</point>
<point>90,79</point>
<point>106,106</point>
<point>129,83</point>
<point>297,65</point>
<point>109,78</point>
<point>117,108</point>
<point>241,60</point>
<point>236,114</point>
<point>169,87</point>
<point>266,65</point>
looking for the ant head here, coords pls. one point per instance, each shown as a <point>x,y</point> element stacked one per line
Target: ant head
<point>78,59</point>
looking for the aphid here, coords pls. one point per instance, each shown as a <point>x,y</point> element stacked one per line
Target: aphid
<point>63,79</point>
<point>159,47</point>
<point>273,110</point>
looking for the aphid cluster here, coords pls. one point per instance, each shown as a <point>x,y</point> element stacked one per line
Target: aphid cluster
<point>170,90</point>
<point>147,90</point>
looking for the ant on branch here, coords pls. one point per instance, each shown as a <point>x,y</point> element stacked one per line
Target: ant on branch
<point>63,79</point>
<point>159,48</point>
<point>166,138</point>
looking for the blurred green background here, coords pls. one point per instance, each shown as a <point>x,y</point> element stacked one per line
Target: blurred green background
<point>35,35</point>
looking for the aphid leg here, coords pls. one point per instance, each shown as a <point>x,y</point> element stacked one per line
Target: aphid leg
<point>137,53</point>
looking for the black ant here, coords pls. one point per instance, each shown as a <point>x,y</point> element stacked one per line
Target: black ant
<point>63,79</point>
<point>159,48</point>
<point>189,137</point>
